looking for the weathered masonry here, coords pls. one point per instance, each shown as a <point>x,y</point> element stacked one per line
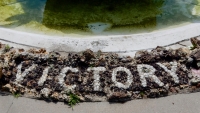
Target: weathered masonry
<point>144,71</point>
<point>97,76</point>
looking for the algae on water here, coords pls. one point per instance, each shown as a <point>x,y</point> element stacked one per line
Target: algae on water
<point>75,15</point>
<point>7,2</point>
<point>119,12</point>
<point>20,12</point>
<point>116,12</point>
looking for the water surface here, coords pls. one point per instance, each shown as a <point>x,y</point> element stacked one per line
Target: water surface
<point>96,17</point>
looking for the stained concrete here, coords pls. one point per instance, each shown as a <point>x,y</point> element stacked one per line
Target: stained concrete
<point>109,43</point>
<point>5,103</point>
<point>181,103</point>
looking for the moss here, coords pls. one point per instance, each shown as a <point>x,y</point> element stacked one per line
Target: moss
<point>7,48</point>
<point>73,99</point>
<point>116,12</point>
<point>16,94</point>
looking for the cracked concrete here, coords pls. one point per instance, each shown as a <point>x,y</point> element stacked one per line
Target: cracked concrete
<point>181,44</point>
<point>109,43</point>
<point>183,103</point>
<point>5,103</point>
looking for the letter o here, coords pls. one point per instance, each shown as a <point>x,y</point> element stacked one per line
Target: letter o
<point>129,77</point>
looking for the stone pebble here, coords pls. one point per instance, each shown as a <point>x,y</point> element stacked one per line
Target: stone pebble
<point>82,82</point>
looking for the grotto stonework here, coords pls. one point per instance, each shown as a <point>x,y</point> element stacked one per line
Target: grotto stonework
<point>98,76</point>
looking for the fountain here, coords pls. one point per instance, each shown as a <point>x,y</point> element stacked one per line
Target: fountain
<point>90,33</point>
<point>107,25</point>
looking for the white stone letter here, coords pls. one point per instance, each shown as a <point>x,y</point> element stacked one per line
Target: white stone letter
<point>43,77</point>
<point>20,76</point>
<point>96,71</point>
<point>62,75</point>
<point>147,71</point>
<point>129,77</point>
<point>172,72</point>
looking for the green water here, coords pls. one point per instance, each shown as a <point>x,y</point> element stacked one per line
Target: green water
<point>61,17</point>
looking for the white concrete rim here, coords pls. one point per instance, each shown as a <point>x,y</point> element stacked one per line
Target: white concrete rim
<point>118,43</point>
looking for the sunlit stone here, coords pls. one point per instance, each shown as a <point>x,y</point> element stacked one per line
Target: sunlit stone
<point>20,75</point>
<point>147,71</point>
<point>96,71</point>
<point>172,72</point>
<point>129,77</point>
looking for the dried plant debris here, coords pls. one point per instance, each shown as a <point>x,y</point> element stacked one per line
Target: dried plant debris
<point>194,58</point>
<point>90,76</point>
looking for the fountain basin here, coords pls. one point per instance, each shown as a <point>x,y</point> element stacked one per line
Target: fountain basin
<point>115,43</point>
<point>31,24</point>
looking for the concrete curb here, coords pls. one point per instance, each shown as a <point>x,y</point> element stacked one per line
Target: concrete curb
<point>119,44</point>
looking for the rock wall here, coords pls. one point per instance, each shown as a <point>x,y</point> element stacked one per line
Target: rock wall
<point>97,76</point>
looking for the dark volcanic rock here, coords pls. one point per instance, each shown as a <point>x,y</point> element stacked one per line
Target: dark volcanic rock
<point>58,81</point>
<point>119,97</point>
